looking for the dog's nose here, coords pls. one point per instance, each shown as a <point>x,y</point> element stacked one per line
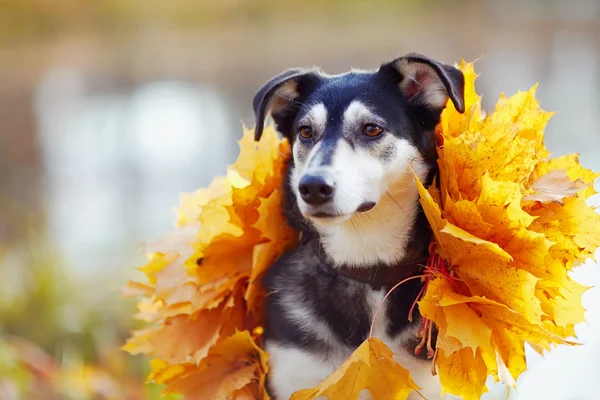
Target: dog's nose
<point>316,189</point>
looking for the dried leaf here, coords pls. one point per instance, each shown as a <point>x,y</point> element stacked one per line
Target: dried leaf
<point>554,187</point>
<point>504,375</point>
<point>574,170</point>
<point>134,288</point>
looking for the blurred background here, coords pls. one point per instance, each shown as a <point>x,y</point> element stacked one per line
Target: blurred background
<point>110,108</point>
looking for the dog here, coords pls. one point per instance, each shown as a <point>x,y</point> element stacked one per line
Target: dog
<point>356,139</point>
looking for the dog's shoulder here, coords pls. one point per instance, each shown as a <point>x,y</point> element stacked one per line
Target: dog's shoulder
<point>287,302</point>
<point>298,264</point>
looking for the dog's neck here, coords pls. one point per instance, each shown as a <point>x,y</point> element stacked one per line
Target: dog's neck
<point>394,231</point>
<point>379,236</point>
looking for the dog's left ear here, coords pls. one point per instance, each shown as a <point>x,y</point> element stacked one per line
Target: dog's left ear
<point>426,82</point>
<point>280,97</point>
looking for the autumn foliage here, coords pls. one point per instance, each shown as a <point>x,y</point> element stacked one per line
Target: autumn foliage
<point>508,222</point>
<point>511,223</point>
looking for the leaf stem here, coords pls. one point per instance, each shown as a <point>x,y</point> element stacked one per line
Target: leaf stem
<point>430,351</point>
<point>385,298</point>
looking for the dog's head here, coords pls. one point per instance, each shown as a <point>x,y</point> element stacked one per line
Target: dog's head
<point>356,135</point>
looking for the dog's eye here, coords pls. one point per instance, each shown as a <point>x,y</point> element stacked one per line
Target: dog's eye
<point>305,132</point>
<point>372,130</point>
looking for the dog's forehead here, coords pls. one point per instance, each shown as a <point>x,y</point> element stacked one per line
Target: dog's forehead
<point>336,93</point>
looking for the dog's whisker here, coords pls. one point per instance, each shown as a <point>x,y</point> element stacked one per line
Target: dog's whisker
<point>364,215</point>
<point>354,227</point>
<point>395,201</point>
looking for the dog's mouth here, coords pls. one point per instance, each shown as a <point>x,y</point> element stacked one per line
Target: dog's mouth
<point>325,215</point>
<point>364,207</point>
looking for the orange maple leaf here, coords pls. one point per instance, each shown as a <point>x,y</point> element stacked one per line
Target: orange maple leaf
<point>234,368</point>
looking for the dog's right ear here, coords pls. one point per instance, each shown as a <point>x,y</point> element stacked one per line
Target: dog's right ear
<point>428,83</point>
<point>281,97</point>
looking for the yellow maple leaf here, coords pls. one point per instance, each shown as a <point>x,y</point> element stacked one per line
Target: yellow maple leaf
<point>370,367</point>
<point>462,372</point>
